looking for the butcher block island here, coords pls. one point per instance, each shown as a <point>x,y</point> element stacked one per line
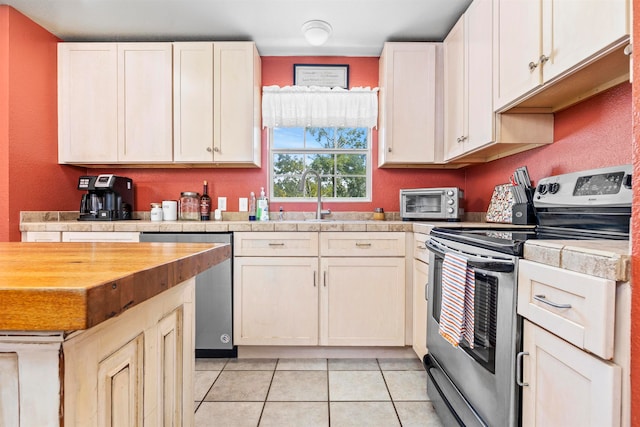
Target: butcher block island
<point>99,334</point>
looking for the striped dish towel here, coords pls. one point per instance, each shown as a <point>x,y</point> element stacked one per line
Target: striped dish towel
<point>458,295</point>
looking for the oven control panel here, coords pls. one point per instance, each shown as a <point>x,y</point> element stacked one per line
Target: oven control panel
<point>610,186</point>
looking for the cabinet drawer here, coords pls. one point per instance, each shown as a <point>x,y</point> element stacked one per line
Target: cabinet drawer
<point>362,244</point>
<point>275,244</point>
<point>584,308</point>
<point>101,236</point>
<point>420,250</point>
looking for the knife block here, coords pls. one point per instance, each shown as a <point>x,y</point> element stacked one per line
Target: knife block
<point>523,214</point>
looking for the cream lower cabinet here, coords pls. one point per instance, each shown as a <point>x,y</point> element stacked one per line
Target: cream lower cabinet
<point>285,295</point>
<point>420,281</point>
<point>101,236</point>
<point>362,293</point>
<point>575,348</point>
<point>275,300</point>
<point>41,236</point>
<point>116,374</point>
<point>566,386</point>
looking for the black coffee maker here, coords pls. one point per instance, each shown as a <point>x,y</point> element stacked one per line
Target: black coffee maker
<point>108,198</point>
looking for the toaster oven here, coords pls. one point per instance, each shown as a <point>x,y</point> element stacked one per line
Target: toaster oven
<point>444,204</point>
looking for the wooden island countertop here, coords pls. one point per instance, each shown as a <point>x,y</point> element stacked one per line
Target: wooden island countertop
<point>73,286</point>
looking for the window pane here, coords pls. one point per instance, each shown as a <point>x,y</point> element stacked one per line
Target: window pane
<point>286,186</point>
<point>288,138</point>
<point>319,138</point>
<point>351,164</point>
<point>321,163</point>
<point>288,164</point>
<point>351,187</point>
<point>350,138</point>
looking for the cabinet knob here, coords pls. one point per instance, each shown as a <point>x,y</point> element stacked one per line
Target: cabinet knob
<point>389,149</point>
<point>216,149</point>
<point>209,149</point>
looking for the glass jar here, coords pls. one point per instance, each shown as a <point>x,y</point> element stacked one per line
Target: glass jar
<point>189,206</point>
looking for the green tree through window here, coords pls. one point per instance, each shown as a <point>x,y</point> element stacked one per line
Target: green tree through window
<point>340,155</point>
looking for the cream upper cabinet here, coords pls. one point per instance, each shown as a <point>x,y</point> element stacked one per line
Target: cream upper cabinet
<point>144,103</point>
<point>468,82</point>
<point>114,103</point>
<point>87,102</point>
<point>410,104</point>
<point>538,41</point>
<point>217,103</point>
<point>472,131</point>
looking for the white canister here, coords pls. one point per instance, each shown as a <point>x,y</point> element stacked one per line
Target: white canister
<point>170,210</point>
<point>156,212</point>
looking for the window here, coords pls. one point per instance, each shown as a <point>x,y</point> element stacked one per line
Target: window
<point>342,157</point>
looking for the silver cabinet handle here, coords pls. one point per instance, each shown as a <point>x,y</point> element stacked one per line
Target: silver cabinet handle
<point>324,278</point>
<point>533,65</point>
<point>389,149</point>
<point>519,374</point>
<point>363,245</point>
<point>543,299</point>
<point>276,244</point>
<point>314,279</point>
<point>424,247</point>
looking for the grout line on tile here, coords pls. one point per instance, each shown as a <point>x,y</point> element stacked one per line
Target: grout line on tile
<point>266,397</point>
<point>393,402</point>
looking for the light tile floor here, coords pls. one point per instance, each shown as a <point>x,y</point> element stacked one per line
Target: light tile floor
<point>312,392</point>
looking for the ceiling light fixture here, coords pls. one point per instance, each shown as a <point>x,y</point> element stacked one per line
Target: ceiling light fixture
<point>316,32</point>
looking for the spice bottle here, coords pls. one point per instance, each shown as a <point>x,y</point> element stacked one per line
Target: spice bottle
<point>205,203</point>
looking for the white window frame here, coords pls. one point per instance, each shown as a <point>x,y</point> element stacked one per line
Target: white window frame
<point>314,197</point>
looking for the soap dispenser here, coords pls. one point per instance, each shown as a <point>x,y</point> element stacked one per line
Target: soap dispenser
<point>262,213</point>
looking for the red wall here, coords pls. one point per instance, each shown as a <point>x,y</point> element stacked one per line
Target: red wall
<point>635,230</point>
<point>594,133</point>
<point>30,177</point>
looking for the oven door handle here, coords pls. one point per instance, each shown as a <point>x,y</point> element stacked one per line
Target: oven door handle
<point>485,263</point>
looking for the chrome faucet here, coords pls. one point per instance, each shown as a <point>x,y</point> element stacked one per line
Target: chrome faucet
<point>306,172</point>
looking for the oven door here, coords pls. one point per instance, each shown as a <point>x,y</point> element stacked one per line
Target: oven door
<point>476,386</point>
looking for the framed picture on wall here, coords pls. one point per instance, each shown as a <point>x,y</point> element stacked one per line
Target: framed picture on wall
<point>325,75</point>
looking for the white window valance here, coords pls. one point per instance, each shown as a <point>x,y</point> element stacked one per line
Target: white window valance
<point>300,106</point>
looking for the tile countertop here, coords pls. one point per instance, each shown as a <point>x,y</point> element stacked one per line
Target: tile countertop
<point>66,221</point>
<point>609,259</point>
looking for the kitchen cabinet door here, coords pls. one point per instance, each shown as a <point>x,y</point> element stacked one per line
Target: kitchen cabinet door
<point>217,92</point>
<point>566,386</point>
<point>193,102</point>
<point>237,105</point>
<point>518,37</point>
<point>145,103</point>
<point>362,301</point>
<point>87,103</point>
<point>575,31</point>
<point>420,280</point>
<point>455,91</point>
<point>540,41</point>
<point>275,301</point>
<point>410,104</point>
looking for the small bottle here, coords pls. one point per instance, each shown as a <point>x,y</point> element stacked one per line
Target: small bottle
<point>263,206</point>
<point>205,203</point>
<point>252,206</point>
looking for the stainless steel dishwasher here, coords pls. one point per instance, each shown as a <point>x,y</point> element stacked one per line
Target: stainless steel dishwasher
<point>214,296</point>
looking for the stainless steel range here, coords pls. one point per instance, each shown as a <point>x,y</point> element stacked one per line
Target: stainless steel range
<point>473,380</point>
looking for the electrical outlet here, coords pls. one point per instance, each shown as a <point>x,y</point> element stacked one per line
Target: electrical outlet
<point>222,203</point>
<point>243,204</point>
